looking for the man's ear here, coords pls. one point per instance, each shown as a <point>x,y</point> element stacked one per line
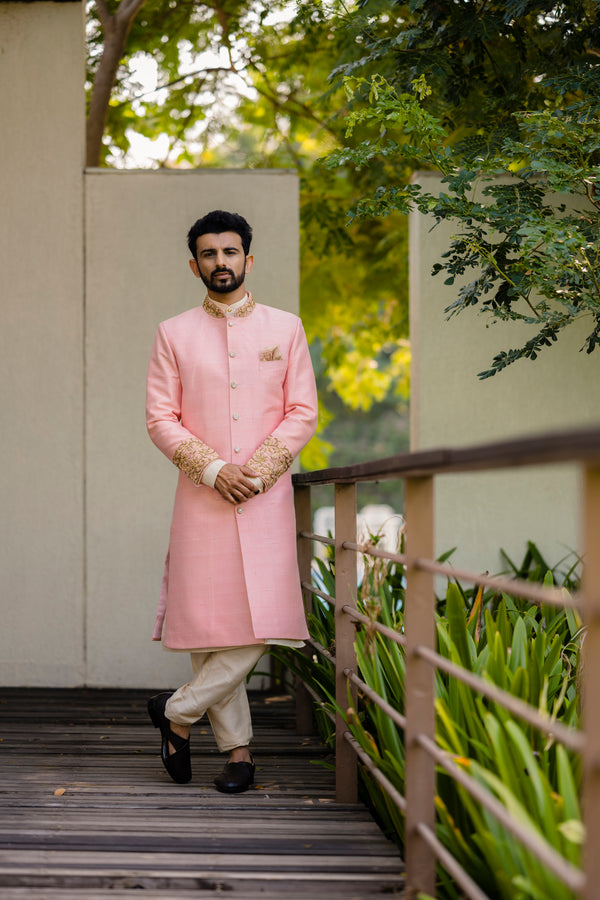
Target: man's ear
<point>194,267</point>
<point>249,263</point>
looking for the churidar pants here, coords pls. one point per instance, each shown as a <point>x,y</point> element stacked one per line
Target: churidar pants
<point>219,689</point>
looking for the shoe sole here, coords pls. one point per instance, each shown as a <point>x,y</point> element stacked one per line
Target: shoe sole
<point>235,790</point>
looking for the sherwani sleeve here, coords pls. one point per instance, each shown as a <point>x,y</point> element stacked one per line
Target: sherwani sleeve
<point>276,453</point>
<point>163,413</point>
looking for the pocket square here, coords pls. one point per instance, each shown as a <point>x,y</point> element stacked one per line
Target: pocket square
<point>269,354</point>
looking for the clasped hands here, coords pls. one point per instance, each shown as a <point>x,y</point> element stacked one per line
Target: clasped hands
<point>233,483</point>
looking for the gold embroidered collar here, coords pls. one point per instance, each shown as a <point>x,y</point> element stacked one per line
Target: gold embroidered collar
<point>213,309</point>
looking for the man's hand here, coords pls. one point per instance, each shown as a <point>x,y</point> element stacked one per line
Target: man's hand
<point>233,483</point>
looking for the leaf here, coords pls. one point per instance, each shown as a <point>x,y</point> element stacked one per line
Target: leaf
<point>573,830</point>
<point>457,624</point>
<point>518,655</point>
<point>566,784</point>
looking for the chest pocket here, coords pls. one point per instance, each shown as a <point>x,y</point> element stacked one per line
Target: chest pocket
<point>273,370</point>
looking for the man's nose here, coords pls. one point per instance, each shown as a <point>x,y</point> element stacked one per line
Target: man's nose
<point>221,260</point>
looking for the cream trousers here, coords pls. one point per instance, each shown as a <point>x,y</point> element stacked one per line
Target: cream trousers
<point>219,689</point>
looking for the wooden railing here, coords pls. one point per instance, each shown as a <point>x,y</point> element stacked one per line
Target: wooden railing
<point>422,755</point>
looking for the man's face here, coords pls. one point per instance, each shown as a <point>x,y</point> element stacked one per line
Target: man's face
<point>221,262</point>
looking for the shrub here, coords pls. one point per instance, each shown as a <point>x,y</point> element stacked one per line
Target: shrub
<point>532,652</point>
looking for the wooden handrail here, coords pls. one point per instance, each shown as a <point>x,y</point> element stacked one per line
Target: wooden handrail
<point>421,660</point>
<point>554,447</point>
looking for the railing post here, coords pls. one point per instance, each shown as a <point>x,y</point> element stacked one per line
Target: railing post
<point>420,715</point>
<point>304,709</point>
<point>345,657</point>
<point>591,676</point>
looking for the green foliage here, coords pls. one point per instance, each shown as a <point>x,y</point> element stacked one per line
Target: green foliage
<point>484,61</point>
<point>530,651</point>
<point>482,92</point>
<point>532,239</point>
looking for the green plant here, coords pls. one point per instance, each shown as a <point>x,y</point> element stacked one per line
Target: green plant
<point>532,652</point>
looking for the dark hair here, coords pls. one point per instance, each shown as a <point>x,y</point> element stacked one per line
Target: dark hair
<point>216,222</point>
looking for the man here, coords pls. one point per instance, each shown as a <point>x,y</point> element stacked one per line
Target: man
<point>231,400</point>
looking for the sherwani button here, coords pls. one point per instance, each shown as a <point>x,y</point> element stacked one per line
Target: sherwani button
<point>232,352</point>
<point>236,449</point>
<point>230,324</point>
<point>240,510</point>
<point>236,416</point>
<point>234,384</point>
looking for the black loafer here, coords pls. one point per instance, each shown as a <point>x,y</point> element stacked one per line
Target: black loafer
<point>177,764</point>
<point>235,778</point>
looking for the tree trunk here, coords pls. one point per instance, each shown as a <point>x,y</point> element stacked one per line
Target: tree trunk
<point>116,30</point>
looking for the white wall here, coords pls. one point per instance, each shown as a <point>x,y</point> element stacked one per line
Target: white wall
<point>41,343</point>
<point>137,274</point>
<point>450,407</point>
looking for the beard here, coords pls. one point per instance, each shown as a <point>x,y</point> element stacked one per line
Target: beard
<point>223,286</point>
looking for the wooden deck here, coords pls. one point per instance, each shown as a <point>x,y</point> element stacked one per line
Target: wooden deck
<point>87,810</point>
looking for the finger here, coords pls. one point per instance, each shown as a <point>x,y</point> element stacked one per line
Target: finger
<point>242,493</point>
<point>245,487</point>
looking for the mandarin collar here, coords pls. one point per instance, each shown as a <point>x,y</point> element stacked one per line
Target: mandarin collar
<point>217,310</point>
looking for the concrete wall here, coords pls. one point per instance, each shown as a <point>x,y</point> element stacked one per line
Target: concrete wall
<point>41,349</point>
<point>450,407</point>
<point>137,274</point>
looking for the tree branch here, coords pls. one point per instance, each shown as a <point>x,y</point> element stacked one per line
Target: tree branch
<point>591,190</point>
<point>223,18</point>
<point>128,10</point>
<point>304,109</point>
<point>176,81</point>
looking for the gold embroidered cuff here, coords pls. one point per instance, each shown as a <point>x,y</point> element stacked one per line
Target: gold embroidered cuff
<point>192,457</point>
<point>271,460</point>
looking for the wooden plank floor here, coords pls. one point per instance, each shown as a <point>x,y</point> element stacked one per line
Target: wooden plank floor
<point>87,810</point>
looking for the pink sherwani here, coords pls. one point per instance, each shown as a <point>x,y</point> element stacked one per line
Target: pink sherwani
<point>240,388</point>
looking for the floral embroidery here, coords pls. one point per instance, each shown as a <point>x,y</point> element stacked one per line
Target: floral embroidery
<point>213,310</point>
<point>269,354</point>
<point>271,460</point>
<point>192,457</point>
